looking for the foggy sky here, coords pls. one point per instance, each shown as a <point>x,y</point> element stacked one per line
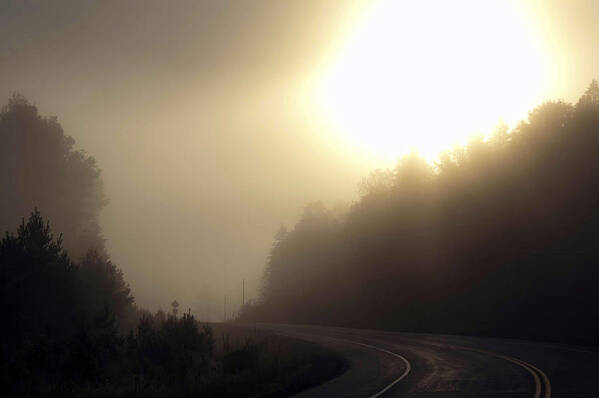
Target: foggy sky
<point>199,117</point>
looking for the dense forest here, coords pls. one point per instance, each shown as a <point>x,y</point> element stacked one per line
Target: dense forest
<point>498,237</point>
<point>70,325</point>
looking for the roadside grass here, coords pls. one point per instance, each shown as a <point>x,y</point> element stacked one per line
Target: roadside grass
<point>258,364</point>
<point>173,357</point>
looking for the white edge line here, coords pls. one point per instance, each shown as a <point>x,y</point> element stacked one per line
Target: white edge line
<point>517,361</point>
<point>401,377</point>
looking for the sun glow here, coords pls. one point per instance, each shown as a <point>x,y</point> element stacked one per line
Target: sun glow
<point>426,75</point>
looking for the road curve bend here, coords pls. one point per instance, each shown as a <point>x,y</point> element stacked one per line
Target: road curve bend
<point>392,364</point>
<point>406,371</point>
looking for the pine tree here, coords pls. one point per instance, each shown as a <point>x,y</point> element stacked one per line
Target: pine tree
<point>590,97</point>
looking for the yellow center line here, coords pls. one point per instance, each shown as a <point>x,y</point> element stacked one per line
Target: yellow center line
<point>533,370</point>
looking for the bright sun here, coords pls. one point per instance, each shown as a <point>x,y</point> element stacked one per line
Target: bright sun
<point>426,75</point>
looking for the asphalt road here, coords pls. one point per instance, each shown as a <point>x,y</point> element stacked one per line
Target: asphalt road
<point>391,364</point>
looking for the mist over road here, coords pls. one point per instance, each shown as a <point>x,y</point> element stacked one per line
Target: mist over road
<point>393,364</point>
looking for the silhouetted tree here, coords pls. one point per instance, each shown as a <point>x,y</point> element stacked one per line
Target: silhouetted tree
<point>591,96</point>
<point>60,318</point>
<point>175,306</point>
<point>102,285</point>
<point>501,231</point>
<point>38,284</point>
<point>39,167</point>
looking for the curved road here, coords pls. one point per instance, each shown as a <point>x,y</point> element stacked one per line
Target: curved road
<point>392,364</point>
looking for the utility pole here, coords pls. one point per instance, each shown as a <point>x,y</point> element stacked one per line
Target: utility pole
<point>225,316</point>
<point>243,293</point>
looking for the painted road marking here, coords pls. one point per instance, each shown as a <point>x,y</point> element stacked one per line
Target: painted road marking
<point>405,361</point>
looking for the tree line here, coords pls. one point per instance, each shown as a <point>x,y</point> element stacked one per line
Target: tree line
<point>65,303</point>
<point>498,237</point>
<point>70,324</point>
